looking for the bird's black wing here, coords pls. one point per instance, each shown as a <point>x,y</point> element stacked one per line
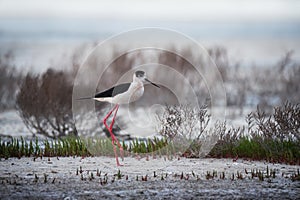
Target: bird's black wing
<point>118,89</point>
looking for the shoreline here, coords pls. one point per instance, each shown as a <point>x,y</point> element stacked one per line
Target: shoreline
<point>81,178</point>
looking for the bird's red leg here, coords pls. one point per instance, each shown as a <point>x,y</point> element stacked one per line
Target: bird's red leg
<point>113,138</point>
<point>107,116</point>
<point>117,141</point>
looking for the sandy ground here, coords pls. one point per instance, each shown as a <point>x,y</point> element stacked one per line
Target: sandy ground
<point>77,178</point>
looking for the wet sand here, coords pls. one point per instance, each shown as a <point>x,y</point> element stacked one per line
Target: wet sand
<point>97,177</point>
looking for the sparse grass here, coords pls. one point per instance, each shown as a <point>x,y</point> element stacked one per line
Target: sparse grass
<point>76,146</point>
<point>69,146</point>
<point>262,174</point>
<point>244,147</point>
<point>259,148</point>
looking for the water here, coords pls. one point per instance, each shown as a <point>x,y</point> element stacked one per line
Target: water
<point>40,43</point>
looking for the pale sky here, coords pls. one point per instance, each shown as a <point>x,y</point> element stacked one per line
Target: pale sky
<point>211,10</point>
<point>42,24</point>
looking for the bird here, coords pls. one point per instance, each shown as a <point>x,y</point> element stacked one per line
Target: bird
<point>124,93</point>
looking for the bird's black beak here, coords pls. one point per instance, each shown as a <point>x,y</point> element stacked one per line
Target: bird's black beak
<point>151,82</point>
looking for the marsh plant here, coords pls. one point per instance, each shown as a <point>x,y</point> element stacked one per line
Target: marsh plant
<point>192,125</point>
<point>184,124</point>
<point>184,121</point>
<point>44,104</point>
<point>10,79</point>
<point>274,138</point>
<point>283,124</point>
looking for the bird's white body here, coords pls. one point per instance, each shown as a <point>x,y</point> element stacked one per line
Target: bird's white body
<point>134,92</point>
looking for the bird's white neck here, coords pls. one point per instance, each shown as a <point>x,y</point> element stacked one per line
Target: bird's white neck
<point>137,80</point>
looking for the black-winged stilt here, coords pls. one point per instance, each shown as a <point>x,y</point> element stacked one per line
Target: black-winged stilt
<point>121,94</point>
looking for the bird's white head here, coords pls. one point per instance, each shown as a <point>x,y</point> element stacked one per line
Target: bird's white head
<point>141,76</point>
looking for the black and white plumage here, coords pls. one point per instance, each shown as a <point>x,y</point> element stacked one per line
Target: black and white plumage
<point>113,91</point>
<point>126,92</point>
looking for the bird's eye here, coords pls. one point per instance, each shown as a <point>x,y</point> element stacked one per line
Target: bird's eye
<point>139,74</point>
